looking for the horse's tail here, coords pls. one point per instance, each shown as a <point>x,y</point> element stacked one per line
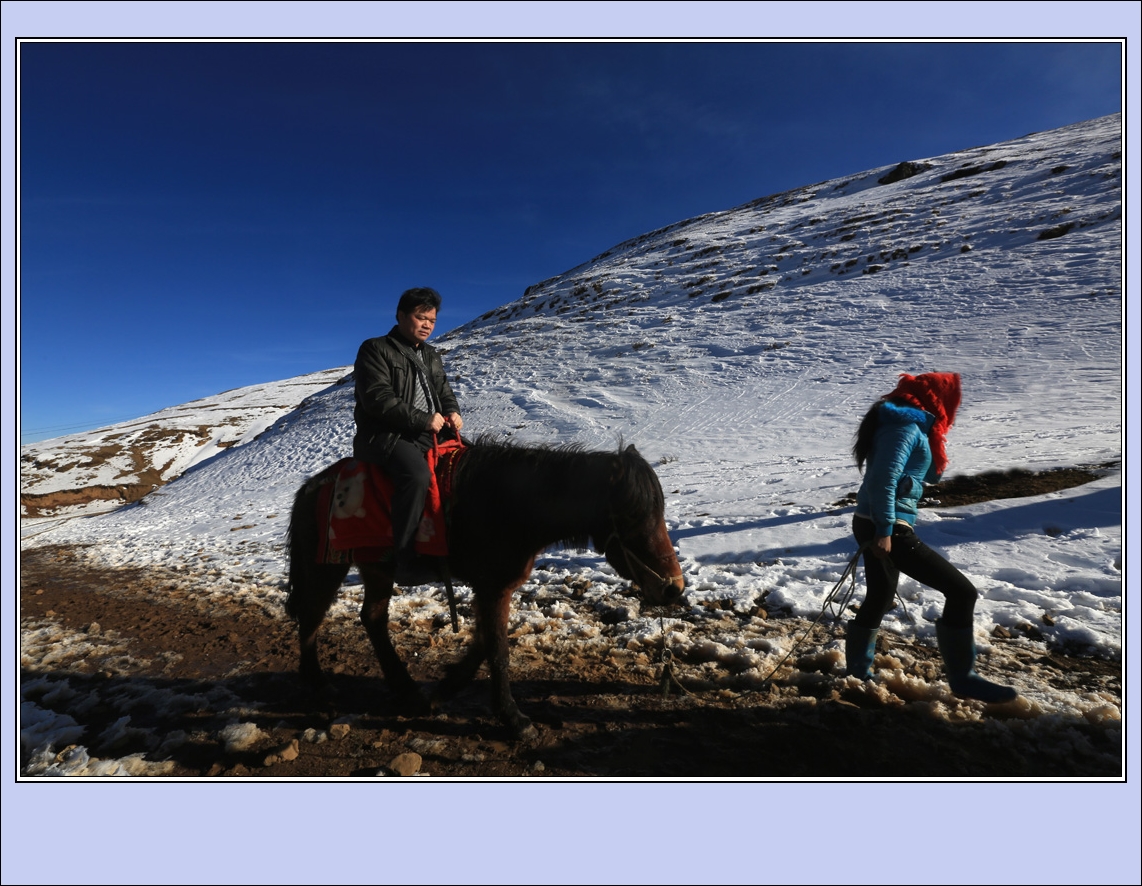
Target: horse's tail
<point>302,540</point>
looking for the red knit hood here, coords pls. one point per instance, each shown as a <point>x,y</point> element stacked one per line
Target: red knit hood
<point>937,393</point>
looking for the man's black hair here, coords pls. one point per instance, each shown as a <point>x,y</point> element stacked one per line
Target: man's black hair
<point>420,296</point>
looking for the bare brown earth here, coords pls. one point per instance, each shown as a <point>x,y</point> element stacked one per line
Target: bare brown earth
<point>185,666</point>
<point>139,479</point>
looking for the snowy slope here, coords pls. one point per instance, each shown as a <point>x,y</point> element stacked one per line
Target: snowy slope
<point>82,473</point>
<point>738,351</point>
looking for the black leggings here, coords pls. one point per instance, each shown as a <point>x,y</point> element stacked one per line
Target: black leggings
<point>916,560</point>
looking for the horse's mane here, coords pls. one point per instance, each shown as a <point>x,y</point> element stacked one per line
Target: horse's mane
<point>637,478</point>
<point>491,450</point>
<point>492,441</point>
<point>634,495</point>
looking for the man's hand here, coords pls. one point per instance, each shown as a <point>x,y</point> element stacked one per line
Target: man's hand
<point>456,421</point>
<point>436,423</point>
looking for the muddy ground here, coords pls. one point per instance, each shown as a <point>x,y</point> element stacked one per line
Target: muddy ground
<point>210,690</point>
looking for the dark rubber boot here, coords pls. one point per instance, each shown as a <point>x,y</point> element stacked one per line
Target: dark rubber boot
<point>957,647</point>
<point>860,647</point>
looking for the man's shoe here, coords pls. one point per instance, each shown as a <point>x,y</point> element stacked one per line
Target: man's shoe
<point>416,569</point>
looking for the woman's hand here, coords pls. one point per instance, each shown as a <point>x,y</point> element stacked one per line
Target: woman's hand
<point>882,547</point>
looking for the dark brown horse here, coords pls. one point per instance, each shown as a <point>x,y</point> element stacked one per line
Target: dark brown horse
<point>508,504</point>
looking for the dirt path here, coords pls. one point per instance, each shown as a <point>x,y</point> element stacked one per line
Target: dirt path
<point>208,686</point>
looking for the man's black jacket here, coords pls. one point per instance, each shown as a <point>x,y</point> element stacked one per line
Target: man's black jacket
<point>385,381</point>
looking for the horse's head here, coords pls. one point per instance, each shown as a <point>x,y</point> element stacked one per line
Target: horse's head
<point>637,544</point>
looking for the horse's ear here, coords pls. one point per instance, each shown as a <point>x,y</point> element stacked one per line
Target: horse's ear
<point>618,469</point>
<point>622,463</point>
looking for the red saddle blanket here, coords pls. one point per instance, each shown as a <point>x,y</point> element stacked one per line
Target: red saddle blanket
<point>355,515</point>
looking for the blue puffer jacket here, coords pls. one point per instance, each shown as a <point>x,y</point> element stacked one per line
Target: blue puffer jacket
<point>898,466</point>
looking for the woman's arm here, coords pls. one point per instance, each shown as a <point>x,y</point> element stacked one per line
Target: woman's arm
<point>894,444</point>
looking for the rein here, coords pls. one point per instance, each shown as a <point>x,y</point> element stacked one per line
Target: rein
<point>667,657</point>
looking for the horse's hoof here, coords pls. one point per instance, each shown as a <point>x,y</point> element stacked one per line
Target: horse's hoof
<point>316,681</point>
<point>413,703</point>
<point>522,728</point>
<point>444,691</point>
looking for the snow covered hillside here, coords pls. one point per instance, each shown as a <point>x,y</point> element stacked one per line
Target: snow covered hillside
<point>84,473</point>
<point>738,351</point>
<point>736,335</point>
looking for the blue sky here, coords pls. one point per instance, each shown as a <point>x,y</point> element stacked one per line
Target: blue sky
<point>196,217</point>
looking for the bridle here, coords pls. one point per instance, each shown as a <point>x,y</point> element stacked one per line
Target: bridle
<point>631,558</point>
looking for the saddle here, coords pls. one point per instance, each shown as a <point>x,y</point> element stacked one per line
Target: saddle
<point>354,510</point>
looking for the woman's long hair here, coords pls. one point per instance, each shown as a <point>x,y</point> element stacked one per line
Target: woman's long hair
<point>862,443</point>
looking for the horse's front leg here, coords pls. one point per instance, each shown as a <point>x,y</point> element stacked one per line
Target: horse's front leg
<point>460,673</point>
<point>375,617</point>
<point>493,611</point>
<point>489,643</point>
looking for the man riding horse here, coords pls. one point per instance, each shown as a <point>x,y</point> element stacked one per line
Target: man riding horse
<point>404,401</point>
<point>508,504</point>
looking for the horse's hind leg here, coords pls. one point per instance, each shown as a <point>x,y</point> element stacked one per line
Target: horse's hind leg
<point>375,617</point>
<point>310,596</point>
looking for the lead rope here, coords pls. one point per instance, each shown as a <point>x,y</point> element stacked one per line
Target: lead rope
<point>835,603</point>
<point>836,597</point>
<point>840,604</point>
<point>667,680</point>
